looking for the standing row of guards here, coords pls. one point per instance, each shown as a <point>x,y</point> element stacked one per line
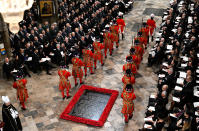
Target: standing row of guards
<point>90,59</point>
<point>131,66</point>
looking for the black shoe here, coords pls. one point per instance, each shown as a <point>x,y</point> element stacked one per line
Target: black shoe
<point>126,122</point>
<point>122,36</point>
<point>23,108</point>
<point>95,68</point>
<point>29,75</point>
<point>103,64</point>
<point>64,97</point>
<point>81,83</point>
<point>105,57</point>
<point>76,84</point>
<point>130,117</point>
<point>92,73</point>
<point>85,75</point>
<point>68,97</point>
<point>111,54</point>
<point>152,38</point>
<point>49,73</point>
<point>116,46</point>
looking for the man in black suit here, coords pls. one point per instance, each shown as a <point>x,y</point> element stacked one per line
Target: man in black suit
<point>187,92</point>
<point>37,62</point>
<point>7,68</point>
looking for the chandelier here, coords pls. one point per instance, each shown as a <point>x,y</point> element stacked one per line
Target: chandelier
<point>13,12</point>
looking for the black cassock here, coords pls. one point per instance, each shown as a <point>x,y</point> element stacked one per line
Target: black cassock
<point>11,118</point>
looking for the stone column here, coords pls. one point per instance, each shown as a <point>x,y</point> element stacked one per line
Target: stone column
<point>5,37</point>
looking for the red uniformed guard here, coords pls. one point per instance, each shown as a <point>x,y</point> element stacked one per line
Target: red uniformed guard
<point>139,38</point>
<point>135,57</point>
<point>22,93</point>
<point>128,78</point>
<point>152,25</point>
<point>128,97</point>
<point>64,83</point>
<point>77,71</point>
<point>98,53</point>
<point>121,24</point>
<point>107,42</point>
<point>115,34</point>
<point>88,60</point>
<point>145,33</point>
<point>139,49</point>
<point>130,65</point>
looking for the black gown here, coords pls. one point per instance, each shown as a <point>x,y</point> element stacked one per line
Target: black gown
<point>11,124</point>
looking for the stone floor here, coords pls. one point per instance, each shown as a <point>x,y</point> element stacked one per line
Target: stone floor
<point>45,103</point>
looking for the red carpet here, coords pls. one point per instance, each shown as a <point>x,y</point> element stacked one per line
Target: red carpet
<point>90,105</point>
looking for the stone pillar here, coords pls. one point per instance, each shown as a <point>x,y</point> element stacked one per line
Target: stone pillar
<point>5,37</point>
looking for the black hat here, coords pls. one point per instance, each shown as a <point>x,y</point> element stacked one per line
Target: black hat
<point>139,33</point>
<point>144,23</point>
<point>129,59</point>
<point>128,71</point>
<point>129,87</point>
<point>132,50</point>
<point>136,42</point>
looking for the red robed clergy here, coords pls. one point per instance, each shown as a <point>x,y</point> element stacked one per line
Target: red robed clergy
<point>152,25</point>
<point>121,24</point>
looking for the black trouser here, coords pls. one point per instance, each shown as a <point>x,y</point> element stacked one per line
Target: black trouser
<point>8,74</point>
<point>151,60</point>
<point>36,67</point>
<point>25,71</point>
<point>45,65</point>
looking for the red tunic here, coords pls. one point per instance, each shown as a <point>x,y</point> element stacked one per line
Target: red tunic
<point>98,51</point>
<point>135,59</point>
<point>141,39</point>
<point>139,50</point>
<point>128,98</point>
<point>139,59</point>
<point>87,58</point>
<point>130,66</point>
<point>77,72</point>
<point>145,34</point>
<point>152,25</point>
<point>128,80</point>
<point>114,32</point>
<point>22,93</point>
<point>107,41</point>
<point>64,82</point>
<point>121,24</point>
